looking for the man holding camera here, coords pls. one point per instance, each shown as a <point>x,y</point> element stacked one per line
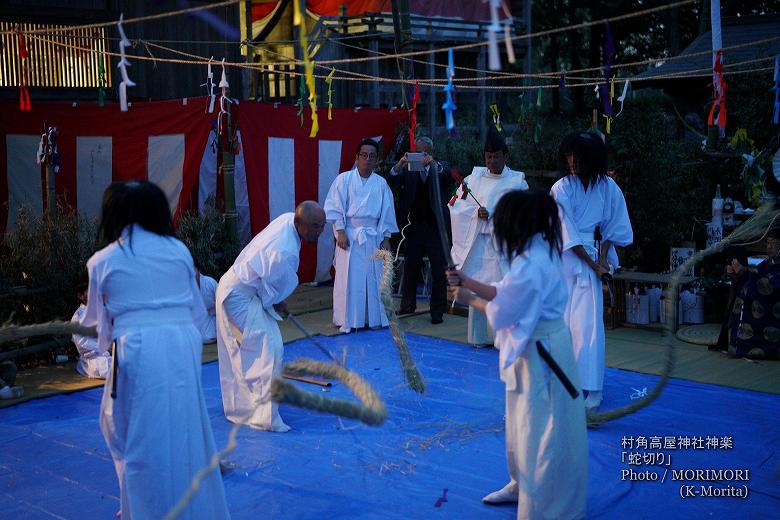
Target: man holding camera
<point>415,180</point>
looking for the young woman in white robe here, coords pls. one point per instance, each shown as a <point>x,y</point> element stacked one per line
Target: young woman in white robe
<point>473,248</point>
<point>144,300</point>
<point>360,207</point>
<point>589,199</point>
<point>546,439</point>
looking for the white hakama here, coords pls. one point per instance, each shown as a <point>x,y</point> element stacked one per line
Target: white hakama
<point>249,342</point>
<point>546,438</point>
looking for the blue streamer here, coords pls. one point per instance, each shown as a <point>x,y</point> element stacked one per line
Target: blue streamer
<point>449,91</point>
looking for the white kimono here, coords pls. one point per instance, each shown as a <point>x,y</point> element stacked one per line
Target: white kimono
<point>249,342</point>
<point>546,438</point>
<point>473,248</point>
<point>92,362</point>
<point>208,291</point>
<point>143,298</point>
<point>364,209</point>
<point>581,211</point>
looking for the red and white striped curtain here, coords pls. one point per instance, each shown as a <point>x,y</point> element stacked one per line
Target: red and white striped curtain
<point>172,144</point>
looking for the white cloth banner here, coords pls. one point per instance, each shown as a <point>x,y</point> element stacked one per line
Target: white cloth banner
<point>281,176</point>
<point>165,165</point>
<point>93,173</point>
<point>24,176</point>
<point>329,163</point>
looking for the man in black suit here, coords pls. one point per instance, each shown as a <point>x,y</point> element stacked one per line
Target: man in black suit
<point>417,221</point>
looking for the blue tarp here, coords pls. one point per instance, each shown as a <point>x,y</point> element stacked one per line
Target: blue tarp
<point>446,443</point>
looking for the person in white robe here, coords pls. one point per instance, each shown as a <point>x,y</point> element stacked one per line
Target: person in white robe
<point>92,362</point>
<point>143,299</point>
<point>360,208</point>
<point>473,248</point>
<point>546,438</point>
<point>589,202</point>
<point>208,291</point>
<point>250,300</point>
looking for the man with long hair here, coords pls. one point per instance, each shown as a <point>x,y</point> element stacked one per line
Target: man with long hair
<point>590,202</point>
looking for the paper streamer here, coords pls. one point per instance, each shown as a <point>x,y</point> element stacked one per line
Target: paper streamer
<point>24,63</point>
<point>622,97</point>
<point>510,51</point>
<point>413,117</point>
<point>719,88</point>
<point>538,125</point>
<point>329,81</point>
<point>123,64</point>
<point>230,142</point>
<point>608,115</point>
<point>449,105</point>
<point>308,67</point>
<point>102,81</point>
<point>494,60</point>
<point>496,117</point>
<point>210,88</point>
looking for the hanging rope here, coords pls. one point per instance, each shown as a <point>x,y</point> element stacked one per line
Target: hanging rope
<point>751,231</point>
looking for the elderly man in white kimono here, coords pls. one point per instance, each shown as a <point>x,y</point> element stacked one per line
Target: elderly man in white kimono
<point>250,296</point>
<point>93,362</point>
<point>590,202</point>
<point>473,248</point>
<point>360,207</point>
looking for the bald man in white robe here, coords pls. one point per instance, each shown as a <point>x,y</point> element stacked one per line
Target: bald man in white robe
<point>250,298</point>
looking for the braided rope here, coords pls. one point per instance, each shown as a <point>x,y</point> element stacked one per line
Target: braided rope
<point>749,230</point>
<point>413,377</point>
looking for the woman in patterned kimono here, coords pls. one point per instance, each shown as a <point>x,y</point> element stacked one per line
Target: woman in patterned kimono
<point>144,300</point>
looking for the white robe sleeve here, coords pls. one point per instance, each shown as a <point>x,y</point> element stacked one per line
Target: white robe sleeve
<point>274,277</point>
<point>523,283</point>
<point>387,224</point>
<point>336,203</point>
<point>96,314</point>
<point>83,343</point>
<point>198,310</point>
<point>465,224</point>
<point>208,290</point>
<point>616,226</point>
<point>569,233</point>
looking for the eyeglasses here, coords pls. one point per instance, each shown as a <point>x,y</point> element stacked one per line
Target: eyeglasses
<point>367,156</point>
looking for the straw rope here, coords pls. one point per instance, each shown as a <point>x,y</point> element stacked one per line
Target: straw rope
<point>10,332</point>
<point>757,226</point>
<point>413,377</point>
